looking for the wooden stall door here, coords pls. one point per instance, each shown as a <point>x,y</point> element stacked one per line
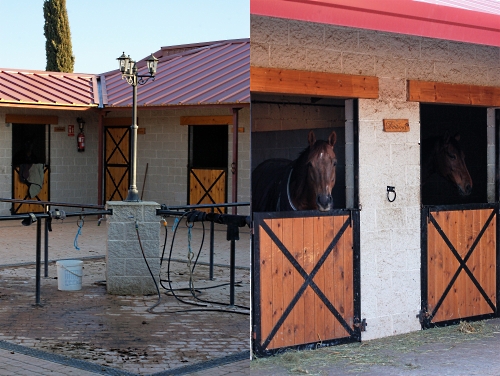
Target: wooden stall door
<point>306,293</point>
<point>117,162</point>
<point>207,186</point>
<point>208,154</point>
<point>21,192</point>
<point>460,258</point>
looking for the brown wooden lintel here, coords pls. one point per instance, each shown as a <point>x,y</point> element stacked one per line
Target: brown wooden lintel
<point>31,119</point>
<point>207,120</point>
<point>440,92</point>
<point>297,82</point>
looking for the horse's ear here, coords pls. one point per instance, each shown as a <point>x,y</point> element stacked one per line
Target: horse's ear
<point>446,137</point>
<point>332,139</point>
<point>311,138</point>
<point>457,137</point>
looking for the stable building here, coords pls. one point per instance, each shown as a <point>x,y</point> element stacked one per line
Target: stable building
<point>398,253</point>
<point>187,150</point>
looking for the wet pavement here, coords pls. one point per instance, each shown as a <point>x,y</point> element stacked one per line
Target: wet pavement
<point>92,332</point>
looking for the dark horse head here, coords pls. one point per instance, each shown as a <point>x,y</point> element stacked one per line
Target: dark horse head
<point>448,161</point>
<point>313,176</point>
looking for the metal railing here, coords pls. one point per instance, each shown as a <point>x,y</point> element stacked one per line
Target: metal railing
<point>233,221</point>
<point>30,218</point>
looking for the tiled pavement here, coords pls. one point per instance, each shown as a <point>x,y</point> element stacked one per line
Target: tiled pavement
<point>88,331</point>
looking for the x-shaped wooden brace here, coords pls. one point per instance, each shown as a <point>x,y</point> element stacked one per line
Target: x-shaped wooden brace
<point>116,190</point>
<point>308,280</point>
<point>207,191</point>
<point>463,264</point>
<point>117,145</point>
<point>27,196</point>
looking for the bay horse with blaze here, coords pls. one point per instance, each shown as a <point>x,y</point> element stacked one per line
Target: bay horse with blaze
<point>303,184</point>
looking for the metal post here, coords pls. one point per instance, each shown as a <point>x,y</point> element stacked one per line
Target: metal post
<point>235,160</point>
<point>38,259</point>
<point>46,250</point>
<point>231,277</point>
<point>133,193</point>
<point>212,247</point>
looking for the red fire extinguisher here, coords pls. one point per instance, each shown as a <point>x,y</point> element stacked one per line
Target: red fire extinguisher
<point>81,136</point>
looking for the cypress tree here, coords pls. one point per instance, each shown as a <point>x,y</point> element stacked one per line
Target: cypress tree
<point>58,37</point>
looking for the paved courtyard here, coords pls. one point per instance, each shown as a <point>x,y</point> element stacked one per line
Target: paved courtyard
<point>91,331</point>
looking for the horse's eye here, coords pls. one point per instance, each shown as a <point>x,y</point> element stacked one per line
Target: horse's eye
<point>452,156</point>
<point>334,162</point>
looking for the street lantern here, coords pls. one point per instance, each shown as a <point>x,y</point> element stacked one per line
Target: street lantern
<point>128,69</point>
<point>152,63</point>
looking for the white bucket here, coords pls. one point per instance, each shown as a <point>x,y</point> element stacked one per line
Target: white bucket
<point>69,275</point>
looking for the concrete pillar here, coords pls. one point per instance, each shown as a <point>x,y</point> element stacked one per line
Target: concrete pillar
<point>126,270</point>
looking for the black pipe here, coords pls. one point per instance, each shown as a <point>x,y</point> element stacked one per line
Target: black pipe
<point>38,259</point>
<point>45,215</point>
<point>231,271</point>
<point>67,204</point>
<point>212,229</point>
<point>46,250</point>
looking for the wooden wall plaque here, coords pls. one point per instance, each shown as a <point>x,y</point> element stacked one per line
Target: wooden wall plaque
<point>396,125</point>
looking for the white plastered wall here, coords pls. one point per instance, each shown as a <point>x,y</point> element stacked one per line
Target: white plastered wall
<point>390,232</point>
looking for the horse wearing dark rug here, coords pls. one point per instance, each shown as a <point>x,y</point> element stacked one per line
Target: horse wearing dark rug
<point>443,155</point>
<point>303,184</point>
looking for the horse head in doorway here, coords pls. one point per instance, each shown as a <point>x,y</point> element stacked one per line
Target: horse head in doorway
<point>303,184</point>
<point>443,155</point>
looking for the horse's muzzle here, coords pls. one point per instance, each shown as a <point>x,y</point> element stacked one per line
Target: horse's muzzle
<point>324,202</point>
<point>467,190</point>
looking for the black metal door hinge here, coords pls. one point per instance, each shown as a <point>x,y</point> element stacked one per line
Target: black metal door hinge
<point>361,325</point>
<point>423,317</point>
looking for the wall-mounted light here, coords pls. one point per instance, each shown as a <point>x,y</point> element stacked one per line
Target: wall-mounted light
<point>81,123</point>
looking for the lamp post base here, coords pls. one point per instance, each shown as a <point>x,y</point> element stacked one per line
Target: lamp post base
<point>133,195</point>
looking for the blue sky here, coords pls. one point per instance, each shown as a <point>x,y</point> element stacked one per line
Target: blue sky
<point>102,29</point>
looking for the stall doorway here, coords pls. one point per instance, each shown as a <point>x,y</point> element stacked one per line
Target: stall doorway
<point>208,156</point>
<point>30,167</point>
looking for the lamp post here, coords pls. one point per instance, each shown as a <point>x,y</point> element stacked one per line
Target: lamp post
<point>128,69</point>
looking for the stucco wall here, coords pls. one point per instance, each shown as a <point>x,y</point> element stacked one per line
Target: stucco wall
<point>390,232</point>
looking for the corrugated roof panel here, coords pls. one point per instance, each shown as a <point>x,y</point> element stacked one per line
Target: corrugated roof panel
<point>485,6</point>
<point>215,73</point>
<point>47,88</point>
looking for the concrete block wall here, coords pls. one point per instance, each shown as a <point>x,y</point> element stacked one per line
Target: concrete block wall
<point>126,270</point>
<point>289,116</point>
<point>164,147</point>
<point>73,175</point>
<point>390,232</point>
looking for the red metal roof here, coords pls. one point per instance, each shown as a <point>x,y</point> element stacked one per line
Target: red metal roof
<point>47,88</point>
<point>472,21</point>
<point>198,74</point>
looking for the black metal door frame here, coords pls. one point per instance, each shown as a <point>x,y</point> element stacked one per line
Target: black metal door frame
<point>116,148</point>
<point>427,219</point>
<point>259,344</point>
